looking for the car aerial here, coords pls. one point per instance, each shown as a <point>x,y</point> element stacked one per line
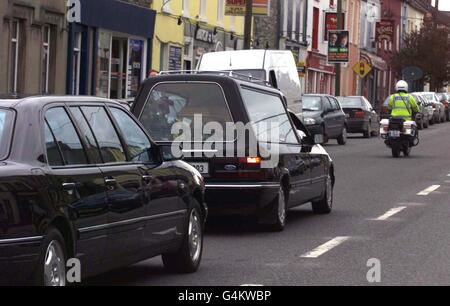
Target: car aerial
<point>361,117</point>
<point>323,115</point>
<point>252,183</point>
<point>444,98</point>
<point>80,178</point>
<point>438,107</point>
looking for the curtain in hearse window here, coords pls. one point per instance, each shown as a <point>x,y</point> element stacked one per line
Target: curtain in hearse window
<point>169,103</point>
<point>6,125</point>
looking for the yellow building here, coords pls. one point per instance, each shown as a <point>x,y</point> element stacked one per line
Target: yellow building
<point>185,29</point>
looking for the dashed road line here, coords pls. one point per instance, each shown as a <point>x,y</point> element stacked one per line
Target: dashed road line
<point>391,213</point>
<point>429,190</point>
<point>326,247</point>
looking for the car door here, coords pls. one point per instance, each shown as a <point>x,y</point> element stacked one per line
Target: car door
<point>328,118</point>
<point>77,185</point>
<point>338,116</point>
<point>163,189</point>
<point>123,180</point>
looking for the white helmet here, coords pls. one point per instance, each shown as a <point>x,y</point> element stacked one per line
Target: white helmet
<point>401,86</point>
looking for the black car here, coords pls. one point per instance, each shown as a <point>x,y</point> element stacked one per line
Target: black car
<point>323,115</point>
<point>251,182</point>
<point>361,117</point>
<point>80,178</point>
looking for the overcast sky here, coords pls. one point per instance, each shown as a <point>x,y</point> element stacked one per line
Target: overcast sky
<point>444,5</point>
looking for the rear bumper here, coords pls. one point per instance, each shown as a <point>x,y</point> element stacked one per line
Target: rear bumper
<point>18,259</point>
<point>239,198</point>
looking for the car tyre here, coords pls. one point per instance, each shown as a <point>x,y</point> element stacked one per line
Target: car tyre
<point>342,140</point>
<point>368,132</point>
<point>188,257</point>
<point>51,268</point>
<point>325,204</point>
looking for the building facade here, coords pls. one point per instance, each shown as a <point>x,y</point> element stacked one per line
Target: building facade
<point>185,29</point>
<point>33,40</point>
<point>109,50</point>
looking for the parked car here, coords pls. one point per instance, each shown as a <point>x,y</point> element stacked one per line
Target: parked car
<point>361,117</point>
<point>439,108</point>
<point>252,183</point>
<point>323,115</point>
<point>276,67</point>
<point>444,98</point>
<point>80,178</point>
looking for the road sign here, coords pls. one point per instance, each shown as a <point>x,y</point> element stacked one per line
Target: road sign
<point>362,68</point>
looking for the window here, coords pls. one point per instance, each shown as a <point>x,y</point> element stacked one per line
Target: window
<point>186,8</point>
<point>6,127</point>
<point>105,133</point>
<point>315,36</point>
<point>46,37</point>
<point>53,154</point>
<point>137,141</point>
<point>335,104</point>
<point>86,132</point>
<point>267,115</point>
<point>349,102</point>
<point>169,103</point>
<point>220,11</point>
<point>202,12</point>
<point>66,138</point>
<point>14,50</point>
<point>76,64</point>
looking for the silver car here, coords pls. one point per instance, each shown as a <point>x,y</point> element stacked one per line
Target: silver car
<point>439,108</point>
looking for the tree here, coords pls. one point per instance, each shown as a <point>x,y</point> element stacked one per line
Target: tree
<point>428,49</point>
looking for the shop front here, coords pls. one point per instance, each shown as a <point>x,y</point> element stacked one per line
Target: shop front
<point>109,50</point>
<point>375,85</point>
<point>320,75</point>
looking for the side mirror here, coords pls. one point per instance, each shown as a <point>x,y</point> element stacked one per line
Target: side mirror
<point>166,152</point>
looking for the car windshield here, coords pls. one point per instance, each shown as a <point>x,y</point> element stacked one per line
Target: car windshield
<point>430,97</point>
<point>442,96</point>
<point>6,127</point>
<point>191,105</point>
<point>312,103</point>
<point>350,102</point>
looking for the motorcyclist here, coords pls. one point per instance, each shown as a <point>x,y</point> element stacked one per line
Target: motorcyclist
<point>403,105</point>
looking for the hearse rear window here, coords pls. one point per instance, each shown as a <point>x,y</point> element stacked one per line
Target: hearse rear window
<point>6,127</point>
<point>169,103</point>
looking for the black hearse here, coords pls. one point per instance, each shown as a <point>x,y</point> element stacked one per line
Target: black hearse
<point>80,178</point>
<point>264,182</point>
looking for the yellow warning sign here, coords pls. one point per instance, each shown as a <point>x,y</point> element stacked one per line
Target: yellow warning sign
<point>362,68</point>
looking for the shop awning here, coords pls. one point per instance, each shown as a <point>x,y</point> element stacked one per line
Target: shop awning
<point>374,60</point>
<point>119,17</point>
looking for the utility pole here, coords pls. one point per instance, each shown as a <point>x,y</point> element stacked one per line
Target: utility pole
<point>338,66</point>
<point>248,24</point>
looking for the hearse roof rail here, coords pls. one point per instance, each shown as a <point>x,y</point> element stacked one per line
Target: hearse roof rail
<point>229,73</point>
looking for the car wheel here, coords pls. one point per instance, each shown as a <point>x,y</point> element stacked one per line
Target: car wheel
<point>187,259</point>
<point>368,132</point>
<point>51,270</point>
<point>426,124</point>
<point>432,121</point>
<point>342,140</point>
<point>325,205</point>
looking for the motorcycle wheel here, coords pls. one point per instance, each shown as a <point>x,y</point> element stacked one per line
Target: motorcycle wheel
<point>406,150</point>
<point>395,152</point>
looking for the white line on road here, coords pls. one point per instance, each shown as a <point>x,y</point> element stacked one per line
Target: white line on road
<point>390,213</point>
<point>429,190</point>
<point>319,251</point>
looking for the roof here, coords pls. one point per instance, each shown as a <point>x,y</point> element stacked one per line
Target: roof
<point>15,101</point>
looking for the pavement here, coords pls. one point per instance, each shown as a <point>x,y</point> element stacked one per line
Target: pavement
<point>388,213</point>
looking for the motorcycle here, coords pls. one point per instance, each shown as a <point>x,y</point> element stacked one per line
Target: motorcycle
<point>399,135</point>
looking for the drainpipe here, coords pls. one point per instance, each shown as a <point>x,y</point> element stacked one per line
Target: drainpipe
<point>305,23</point>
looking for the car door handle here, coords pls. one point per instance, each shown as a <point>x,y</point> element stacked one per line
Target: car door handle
<point>70,186</point>
<point>110,182</point>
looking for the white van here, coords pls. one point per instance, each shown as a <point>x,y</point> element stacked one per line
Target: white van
<point>274,66</point>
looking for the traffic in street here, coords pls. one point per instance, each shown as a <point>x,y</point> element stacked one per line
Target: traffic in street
<point>384,209</point>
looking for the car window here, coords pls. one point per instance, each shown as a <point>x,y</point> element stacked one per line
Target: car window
<point>53,154</point>
<point>348,102</point>
<point>110,146</point>
<point>86,132</point>
<point>66,137</point>
<point>169,103</point>
<point>327,104</point>
<point>312,103</point>
<point>135,138</point>
<point>334,103</point>
<point>266,112</point>
<point>6,127</point>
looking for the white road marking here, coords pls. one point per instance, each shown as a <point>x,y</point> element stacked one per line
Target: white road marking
<point>319,251</point>
<point>252,285</point>
<point>429,190</point>
<point>390,213</point>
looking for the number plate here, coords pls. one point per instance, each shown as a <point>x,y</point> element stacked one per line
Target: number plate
<point>203,168</point>
<point>394,133</point>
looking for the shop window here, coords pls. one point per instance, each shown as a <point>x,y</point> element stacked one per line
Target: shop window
<point>14,58</point>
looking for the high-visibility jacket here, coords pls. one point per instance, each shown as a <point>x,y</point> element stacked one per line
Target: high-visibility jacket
<point>403,105</point>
